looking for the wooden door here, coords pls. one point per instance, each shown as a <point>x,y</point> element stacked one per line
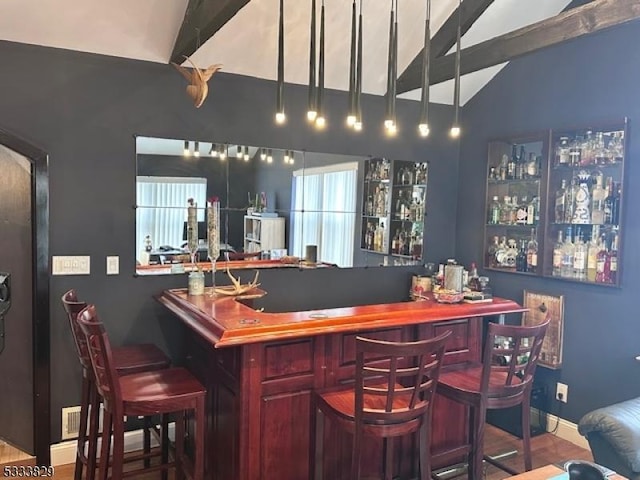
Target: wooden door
<point>16,326</point>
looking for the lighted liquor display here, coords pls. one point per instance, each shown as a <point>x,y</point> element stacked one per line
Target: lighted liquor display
<point>394,196</point>
<point>555,203</point>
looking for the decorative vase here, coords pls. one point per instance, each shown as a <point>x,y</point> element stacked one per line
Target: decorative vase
<point>213,237</point>
<point>196,283</point>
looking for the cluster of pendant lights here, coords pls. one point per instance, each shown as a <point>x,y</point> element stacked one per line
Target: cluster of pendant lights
<point>221,151</point>
<point>315,109</point>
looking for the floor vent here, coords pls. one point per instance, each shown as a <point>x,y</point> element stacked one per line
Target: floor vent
<point>71,421</point>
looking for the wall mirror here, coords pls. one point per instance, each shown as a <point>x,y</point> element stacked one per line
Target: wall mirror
<point>273,203</point>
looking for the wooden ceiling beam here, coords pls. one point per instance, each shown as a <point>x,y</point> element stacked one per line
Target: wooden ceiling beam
<point>592,17</point>
<point>202,19</point>
<point>445,37</point>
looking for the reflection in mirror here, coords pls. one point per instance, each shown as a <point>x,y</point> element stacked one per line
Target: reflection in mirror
<point>279,207</point>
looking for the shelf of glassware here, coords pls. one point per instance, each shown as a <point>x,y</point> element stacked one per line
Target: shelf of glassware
<point>407,220</point>
<point>375,205</point>
<point>514,178</point>
<point>585,209</point>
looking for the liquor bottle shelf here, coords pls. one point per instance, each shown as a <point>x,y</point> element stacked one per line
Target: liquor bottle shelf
<point>513,225</point>
<point>513,181</point>
<point>616,164</point>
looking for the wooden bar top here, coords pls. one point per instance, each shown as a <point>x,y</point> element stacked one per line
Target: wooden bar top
<point>224,321</point>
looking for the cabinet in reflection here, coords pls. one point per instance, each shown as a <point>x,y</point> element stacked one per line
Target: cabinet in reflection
<point>263,233</point>
<point>393,202</point>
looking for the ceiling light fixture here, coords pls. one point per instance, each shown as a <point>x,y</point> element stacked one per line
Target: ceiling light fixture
<point>357,126</point>
<point>455,128</point>
<point>292,157</point>
<point>196,149</point>
<point>320,119</point>
<point>186,152</point>
<point>280,116</point>
<point>239,152</point>
<point>390,118</point>
<point>263,154</point>
<point>311,108</point>
<point>351,117</point>
<point>223,152</point>
<point>423,126</point>
<point>269,156</point>
<point>246,153</point>
<point>286,157</point>
<point>213,151</point>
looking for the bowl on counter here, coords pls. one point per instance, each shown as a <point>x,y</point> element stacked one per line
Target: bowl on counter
<point>447,296</point>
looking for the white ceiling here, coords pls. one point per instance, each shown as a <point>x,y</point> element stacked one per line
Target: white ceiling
<point>247,44</point>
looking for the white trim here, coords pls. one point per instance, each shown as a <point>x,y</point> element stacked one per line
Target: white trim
<point>168,180</point>
<point>336,167</point>
<point>566,430</point>
<point>64,453</point>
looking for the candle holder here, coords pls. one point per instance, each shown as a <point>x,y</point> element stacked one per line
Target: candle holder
<point>213,238</point>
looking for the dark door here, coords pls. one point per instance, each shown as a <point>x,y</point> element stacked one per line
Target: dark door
<point>16,326</point>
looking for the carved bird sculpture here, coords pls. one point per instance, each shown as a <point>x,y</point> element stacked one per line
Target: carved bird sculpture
<point>197,78</point>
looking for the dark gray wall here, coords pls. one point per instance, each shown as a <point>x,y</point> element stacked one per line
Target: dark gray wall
<point>585,81</point>
<point>84,111</point>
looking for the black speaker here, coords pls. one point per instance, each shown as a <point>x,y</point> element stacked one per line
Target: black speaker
<point>510,419</point>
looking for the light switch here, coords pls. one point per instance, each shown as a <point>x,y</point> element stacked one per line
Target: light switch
<point>113,265</point>
<point>71,265</point>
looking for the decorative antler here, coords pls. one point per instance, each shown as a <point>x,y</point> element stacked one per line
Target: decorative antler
<point>237,288</point>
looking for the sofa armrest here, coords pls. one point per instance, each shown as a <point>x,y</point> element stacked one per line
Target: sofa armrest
<point>619,425</point>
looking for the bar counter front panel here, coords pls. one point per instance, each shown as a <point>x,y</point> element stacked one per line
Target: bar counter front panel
<point>261,369</point>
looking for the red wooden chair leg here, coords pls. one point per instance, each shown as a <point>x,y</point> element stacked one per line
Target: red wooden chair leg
<point>117,463</point>
<point>526,431</point>
<point>94,425</point>
<point>146,441</point>
<point>164,444</point>
<point>82,433</point>
<point>424,445</point>
<point>198,473</point>
<point>180,446</point>
<point>106,446</point>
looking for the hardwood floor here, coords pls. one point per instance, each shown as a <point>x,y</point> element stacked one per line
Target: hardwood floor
<point>546,448</point>
<point>9,454</point>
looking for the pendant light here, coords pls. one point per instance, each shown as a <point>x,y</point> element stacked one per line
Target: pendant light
<point>280,116</point>
<point>263,154</point>
<point>423,127</point>
<point>311,109</point>
<point>351,117</point>
<point>390,119</point>
<point>239,152</point>
<point>185,151</point>
<point>357,126</point>
<point>223,151</point>
<point>213,151</point>
<point>320,119</point>
<point>455,128</point>
<point>196,148</point>
<point>246,153</point>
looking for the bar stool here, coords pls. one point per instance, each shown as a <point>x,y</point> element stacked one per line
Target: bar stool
<point>392,396</point>
<point>166,391</point>
<point>127,359</point>
<point>504,379</point>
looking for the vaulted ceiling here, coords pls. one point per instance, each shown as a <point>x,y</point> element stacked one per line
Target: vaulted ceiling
<point>242,34</point>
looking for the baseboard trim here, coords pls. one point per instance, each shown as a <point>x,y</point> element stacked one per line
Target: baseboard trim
<point>566,430</point>
<point>64,453</point>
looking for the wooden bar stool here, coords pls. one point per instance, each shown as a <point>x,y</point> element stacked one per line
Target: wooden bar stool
<point>166,391</point>
<point>503,379</point>
<point>390,398</point>
<point>127,359</point>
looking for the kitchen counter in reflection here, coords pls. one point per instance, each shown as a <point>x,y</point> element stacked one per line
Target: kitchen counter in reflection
<point>178,268</point>
<point>227,321</point>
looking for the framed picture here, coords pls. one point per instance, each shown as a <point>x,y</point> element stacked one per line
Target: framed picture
<point>539,305</point>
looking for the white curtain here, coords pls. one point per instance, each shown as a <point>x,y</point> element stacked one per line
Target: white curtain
<point>162,208</point>
<point>324,204</point>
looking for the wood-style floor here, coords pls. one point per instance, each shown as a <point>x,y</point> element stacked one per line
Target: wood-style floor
<point>546,449</point>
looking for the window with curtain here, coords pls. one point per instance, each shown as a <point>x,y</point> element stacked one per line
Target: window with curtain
<point>323,212</point>
<point>162,208</point>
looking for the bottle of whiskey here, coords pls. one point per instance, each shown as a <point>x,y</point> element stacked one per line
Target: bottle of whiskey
<point>566,269</point>
<point>613,259</point>
<point>521,258</point>
<point>598,196</point>
<point>560,205</point>
<point>592,253</point>
<point>603,263</point>
<point>532,253</point>
<point>580,259</point>
<point>557,256</point>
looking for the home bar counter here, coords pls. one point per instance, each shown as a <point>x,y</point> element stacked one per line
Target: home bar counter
<point>260,370</point>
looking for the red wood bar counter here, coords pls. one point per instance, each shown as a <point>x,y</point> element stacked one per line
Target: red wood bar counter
<point>261,368</point>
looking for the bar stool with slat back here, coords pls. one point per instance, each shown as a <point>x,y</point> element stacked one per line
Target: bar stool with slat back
<point>492,385</point>
<point>171,390</point>
<point>127,359</point>
<point>393,396</point>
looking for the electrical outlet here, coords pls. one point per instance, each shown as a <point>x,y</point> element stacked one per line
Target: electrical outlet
<point>562,392</point>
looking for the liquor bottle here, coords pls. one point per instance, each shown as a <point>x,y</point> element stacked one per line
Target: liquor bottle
<point>521,212</point>
<point>569,201</point>
<point>505,210</point>
<point>394,242</point>
<point>521,258</point>
<point>400,176</point>
<point>562,152</point>
<point>491,253</point>
<point>599,151</point>
<point>580,259</point>
<point>582,200</point>
<point>603,264</point>
<point>494,211</point>
<point>533,210</point>
<point>399,205</point>
<point>532,166</point>
<point>566,269</point>
<point>511,166</point>
<point>587,154</point>
<point>532,253</point>
<point>513,211</point>
<point>611,203</point>
<point>557,256</point>
<point>406,249</point>
<point>598,196</point>
<point>474,279</point>
<point>521,167</point>
<point>561,197</point>
<point>501,252</point>
<point>613,259</point>
<point>416,251</point>
<point>575,151</point>
<point>592,253</point>
<point>503,167</point>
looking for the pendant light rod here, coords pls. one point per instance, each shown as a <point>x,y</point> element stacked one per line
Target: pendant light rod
<point>351,118</point>
<point>320,120</point>
<point>394,77</point>
<point>280,116</point>
<point>389,68</point>
<point>426,53</point>
<point>358,124</point>
<point>312,109</point>
<point>455,129</point>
